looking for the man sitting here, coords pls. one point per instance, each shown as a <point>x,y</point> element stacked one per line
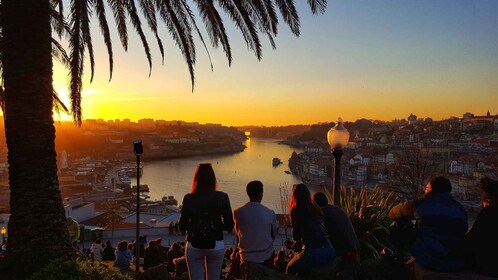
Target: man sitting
<point>256,227</point>
<point>442,224</point>
<point>339,229</point>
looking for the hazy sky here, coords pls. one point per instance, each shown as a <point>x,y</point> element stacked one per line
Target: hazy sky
<point>375,59</point>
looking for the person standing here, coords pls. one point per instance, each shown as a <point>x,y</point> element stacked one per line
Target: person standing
<point>442,224</point>
<point>204,215</point>
<point>256,228</point>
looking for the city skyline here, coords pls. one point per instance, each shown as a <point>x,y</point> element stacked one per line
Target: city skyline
<point>381,60</point>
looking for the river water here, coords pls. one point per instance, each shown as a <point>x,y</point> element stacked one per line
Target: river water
<point>233,172</point>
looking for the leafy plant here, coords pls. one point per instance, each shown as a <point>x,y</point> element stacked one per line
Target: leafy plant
<point>77,270</point>
<point>368,211</point>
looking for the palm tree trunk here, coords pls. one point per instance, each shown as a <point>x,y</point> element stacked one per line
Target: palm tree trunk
<point>37,231</point>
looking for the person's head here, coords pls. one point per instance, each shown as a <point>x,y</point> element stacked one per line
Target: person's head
<point>123,245</point>
<point>152,244</point>
<point>437,185</point>
<point>159,241</point>
<point>320,199</point>
<point>255,191</point>
<point>204,178</point>
<point>300,202</point>
<point>490,194</point>
<point>69,220</point>
<point>98,241</point>
<point>108,243</point>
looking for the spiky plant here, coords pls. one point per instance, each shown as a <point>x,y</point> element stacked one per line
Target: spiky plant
<point>368,211</point>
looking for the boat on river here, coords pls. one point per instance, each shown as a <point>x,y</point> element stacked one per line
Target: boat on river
<point>143,188</point>
<point>169,200</point>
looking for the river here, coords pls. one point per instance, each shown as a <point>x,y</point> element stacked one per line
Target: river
<point>233,172</point>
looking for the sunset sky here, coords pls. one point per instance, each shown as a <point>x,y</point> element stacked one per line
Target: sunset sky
<point>381,59</point>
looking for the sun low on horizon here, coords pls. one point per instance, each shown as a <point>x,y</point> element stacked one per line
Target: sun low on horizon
<point>381,60</point>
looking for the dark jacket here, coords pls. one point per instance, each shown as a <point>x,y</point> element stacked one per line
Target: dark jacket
<point>308,232</point>
<point>215,203</point>
<point>441,228</point>
<point>482,243</point>
<point>340,230</point>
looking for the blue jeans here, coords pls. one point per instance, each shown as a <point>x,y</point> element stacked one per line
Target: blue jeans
<point>306,260</point>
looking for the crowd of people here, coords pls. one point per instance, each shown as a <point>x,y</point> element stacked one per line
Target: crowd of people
<point>322,234</point>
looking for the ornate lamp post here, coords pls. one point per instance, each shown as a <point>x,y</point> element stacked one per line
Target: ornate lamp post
<point>138,150</point>
<point>338,137</point>
<point>4,231</point>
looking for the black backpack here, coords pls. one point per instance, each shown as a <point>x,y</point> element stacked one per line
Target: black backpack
<point>204,227</point>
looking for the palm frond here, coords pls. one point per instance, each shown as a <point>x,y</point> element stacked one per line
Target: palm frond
<point>214,26</point>
<point>59,53</point>
<point>77,46</point>
<point>191,17</point>
<point>135,20</point>
<point>104,27</point>
<point>289,14</point>
<point>239,14</point>
<point>150,15</point>
<point>118,7</point>
<point>86,13</point>
<point>318,6</point>
<point>58,104</point>
<point>181,33</point>
<point>57,16</point>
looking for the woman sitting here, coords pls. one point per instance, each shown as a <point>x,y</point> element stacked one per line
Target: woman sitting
<point>123,256</point>
<point>311,242</point>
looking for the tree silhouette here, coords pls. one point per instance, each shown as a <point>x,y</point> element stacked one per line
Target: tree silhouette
<point>37,230</point>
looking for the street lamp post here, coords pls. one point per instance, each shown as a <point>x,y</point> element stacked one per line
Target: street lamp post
<point>138,150</point>
<point>4,231</point>
<point>338,137</point>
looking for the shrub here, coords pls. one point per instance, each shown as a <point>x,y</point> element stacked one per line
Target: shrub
<point>368,211</point>
<point>77,270</point>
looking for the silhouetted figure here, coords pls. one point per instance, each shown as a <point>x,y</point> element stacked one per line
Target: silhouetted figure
<point>339,229</point>
<point>481,241</point>
<point>442,224</point>
<point>96,250</point>
<point>171,228</point>
<point>123,256</point>
<point>280,262</point>
<point>205,214</point>
<point>256,228</point>
<point>109,252</point>
<point>151,255</point>
<point>235,268</point>
<point>311,242</point>
<point>175,251</point>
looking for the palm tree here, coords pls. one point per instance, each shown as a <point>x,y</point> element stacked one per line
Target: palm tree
<point>37,230</point>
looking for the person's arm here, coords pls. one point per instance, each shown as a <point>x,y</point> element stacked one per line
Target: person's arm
<point>405,209</point>
<point>227,214</point>
<point>296,233</point>
<point>236,220</point>
<point>185,215</point>
<point>274,226</point>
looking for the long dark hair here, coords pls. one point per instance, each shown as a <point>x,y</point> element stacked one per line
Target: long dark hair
<point>204,178</point>
<point>301,205</point>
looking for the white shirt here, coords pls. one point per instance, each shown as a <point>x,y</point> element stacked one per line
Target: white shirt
<point>97,251</point>
<point>256,227</point>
